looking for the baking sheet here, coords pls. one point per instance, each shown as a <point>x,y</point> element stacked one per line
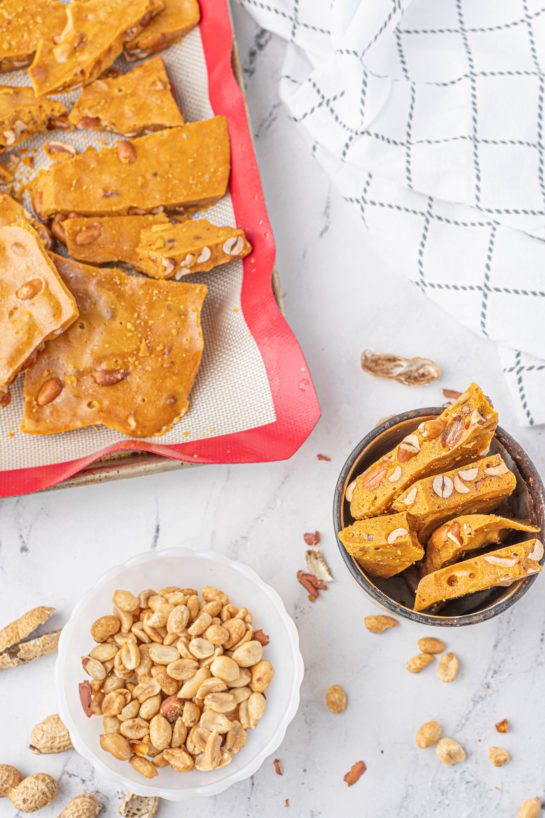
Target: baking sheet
<point>235,390</point>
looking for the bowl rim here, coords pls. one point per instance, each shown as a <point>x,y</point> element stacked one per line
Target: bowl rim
<point>519,454</point>
<point>254,762</point>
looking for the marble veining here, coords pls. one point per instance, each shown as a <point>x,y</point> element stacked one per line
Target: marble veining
<point>341,296</point>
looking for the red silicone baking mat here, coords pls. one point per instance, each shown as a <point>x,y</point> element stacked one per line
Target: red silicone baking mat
<point>284,392</point>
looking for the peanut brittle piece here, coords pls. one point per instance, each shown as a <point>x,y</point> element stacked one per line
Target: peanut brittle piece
<point>383,546</point>
<point>11,212</point>
<point>23,25</point>
<point>173,169</point>
<point>461,432</point>
<point>170,25</point>
<point>134,103</point>
<point>176,250</point>
<point>501,567</point>
<point>481,486</point>
<point>22,114</point>
<point>466,533</point>
<point>35,304</point>
<point>107,238</point>
<point>92,38</point>
<point>130,360</point>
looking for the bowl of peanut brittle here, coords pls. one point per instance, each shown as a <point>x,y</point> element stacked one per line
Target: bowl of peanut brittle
<point>439,514</point>
<point>187,683</point>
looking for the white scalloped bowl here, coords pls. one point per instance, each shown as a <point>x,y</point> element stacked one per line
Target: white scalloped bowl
<point>186,568</point>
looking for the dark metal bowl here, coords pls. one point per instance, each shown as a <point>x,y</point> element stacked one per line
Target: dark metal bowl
<point>527,501</point>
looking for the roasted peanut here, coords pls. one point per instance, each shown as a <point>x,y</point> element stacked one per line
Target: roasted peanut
<point>335,698</point>
<point>215,722</point>
<point>225,668</point>
<point>530,809</point>
<point>168,684</point>
<point>196,739</point>
<point>248,654</point>
<point>105,627</point>
<point>212,594</point>
<point>201,623</point>
<point>449,751</point>
<point>111,724</point>
<point>143,766</point>
<point>178,619</point>
<point>182,669</point>
<point>220,702</point>
<point>498,757</point>
<point>201,648</point>
<point>429,644</point>
<point>244,716</point>
<point>448,667</point>
<point>160,732</point>
<point>262,674</point>
<point>257,705</point>
<point>378,624</point>
<point>104,652</point>
<point>117,745</point>
<point>179,759</point>
<point>235,738</point>
<point>418,663</point>
<point>179,733</point>
<point>126,601</point>
<point>191,714</point>
<point>428,734</point>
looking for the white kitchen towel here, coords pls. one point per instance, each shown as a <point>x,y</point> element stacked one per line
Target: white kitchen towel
<point>428,115</point>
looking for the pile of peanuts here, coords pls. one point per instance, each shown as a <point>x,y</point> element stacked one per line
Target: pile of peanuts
<point>177,678</point>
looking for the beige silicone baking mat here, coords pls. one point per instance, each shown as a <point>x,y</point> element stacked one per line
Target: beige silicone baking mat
<point>231,393</point>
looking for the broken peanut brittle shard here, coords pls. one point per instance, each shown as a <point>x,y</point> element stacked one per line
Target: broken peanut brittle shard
<point>174,22</point>
<point>23,25</point>
<point>481,486</point>
<point>383,546</point>
<point>134,103</point>
<point>35,304</point>
<point>501,567</point>
<point>171,169</point>
<point>22,114</point>
<point>461,432</point>
<point>129,362</point>
<point>91,40</point>
<point>194,246</point>
<point>468,532</point>
<point>103,239</point>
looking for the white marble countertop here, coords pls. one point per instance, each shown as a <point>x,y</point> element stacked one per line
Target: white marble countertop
<point>341,297</point>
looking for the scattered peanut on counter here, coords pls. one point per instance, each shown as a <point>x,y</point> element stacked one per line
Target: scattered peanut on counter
<point>498,757</point>
<point>449,751</point>
<point>530,809</point>
<point>448,667</point>
<point>428,734</point>
<point>336,699</point>
<point>418,663</point>
<point>378,624</point>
